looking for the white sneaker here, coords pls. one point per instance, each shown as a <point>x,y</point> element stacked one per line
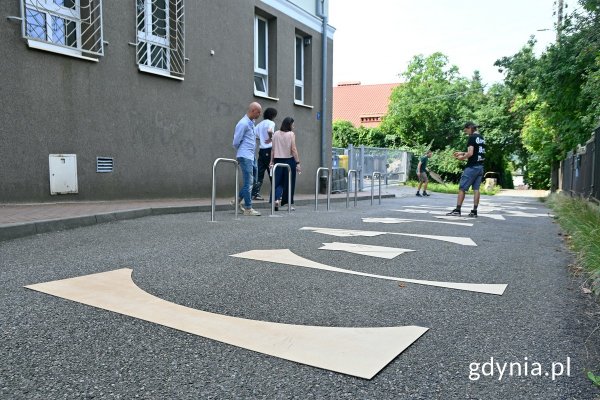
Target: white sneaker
<point>242,208</point>
<point>251,212</point>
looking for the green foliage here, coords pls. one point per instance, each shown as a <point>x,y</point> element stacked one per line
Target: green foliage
<point>556,103</point>
<point>545,107</point>
<point>594,378</point>
<point>581,221</point>
<point>344,133</point>
<point>431,104</point>
<point>567,70</point>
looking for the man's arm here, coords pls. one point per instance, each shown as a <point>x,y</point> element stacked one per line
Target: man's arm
<point>238,135</point>
<point>419,168</point>
<point>464,155</point>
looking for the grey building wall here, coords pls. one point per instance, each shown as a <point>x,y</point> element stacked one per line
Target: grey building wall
<point>163,134</point>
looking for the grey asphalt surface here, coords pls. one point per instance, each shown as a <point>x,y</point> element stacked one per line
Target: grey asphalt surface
<point>54,348</point>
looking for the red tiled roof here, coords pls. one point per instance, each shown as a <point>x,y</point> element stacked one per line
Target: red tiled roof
<point>361,104</point>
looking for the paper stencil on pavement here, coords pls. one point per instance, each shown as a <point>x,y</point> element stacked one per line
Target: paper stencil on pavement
<point>442,214</point>
<point>285,256</point>
<point>360,352</point>
<point>404,220</point>
<point>465,241</point>
<point>365,249</point>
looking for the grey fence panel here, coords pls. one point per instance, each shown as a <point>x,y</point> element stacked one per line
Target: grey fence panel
<point>391,163</point>
<point>580,170</point>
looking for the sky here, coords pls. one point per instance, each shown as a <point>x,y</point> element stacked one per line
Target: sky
<point>375,40</point>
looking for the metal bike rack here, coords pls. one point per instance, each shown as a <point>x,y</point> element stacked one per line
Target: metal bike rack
<point>378,174</point>
<point>350,172</point>
<point>273,185</point>
<point>328,187</point>
<point>214,189</point>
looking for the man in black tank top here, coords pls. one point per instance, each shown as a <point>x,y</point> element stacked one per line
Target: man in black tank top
<point>473,172</point>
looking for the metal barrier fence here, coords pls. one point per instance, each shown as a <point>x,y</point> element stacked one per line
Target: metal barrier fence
<point>580,171</point>
<point>317,181</point>
<point>350,172</point>
<point>390,163</point>
<point>214,187</point>
<point>317,187</point>
<point>289,170</point>
<point>373,186</point>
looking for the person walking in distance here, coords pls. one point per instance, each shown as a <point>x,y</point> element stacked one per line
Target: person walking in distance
<point>244,141</point>
<point>473,172</point>
<point>264,133</point>
<point>422,173</point>
<point>285,151</point>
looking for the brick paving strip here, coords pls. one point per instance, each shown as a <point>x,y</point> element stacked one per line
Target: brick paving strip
<point>19,220</point>
<point>25,219</point>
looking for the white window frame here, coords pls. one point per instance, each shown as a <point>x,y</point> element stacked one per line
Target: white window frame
<point>171,63</point>
<point>51,11</point>
<point>299,83</point>
<point>259,72</point>
<point>146,38</point>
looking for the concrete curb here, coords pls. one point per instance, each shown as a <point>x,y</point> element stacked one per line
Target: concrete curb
<point>15,231</point>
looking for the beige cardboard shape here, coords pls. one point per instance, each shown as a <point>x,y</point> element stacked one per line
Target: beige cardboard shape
<point>285,256</point>
<point>365,249</point>
<point>360,352</point>
<point>442,214</point>
<point>403,220</point>
<point>465,241</point>
<point>491,216</point>
<point>527,215</point>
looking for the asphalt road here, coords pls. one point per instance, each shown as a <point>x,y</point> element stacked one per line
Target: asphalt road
<point>58,349</point>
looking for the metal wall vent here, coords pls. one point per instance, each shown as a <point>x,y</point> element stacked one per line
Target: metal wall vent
<point>104,164</point>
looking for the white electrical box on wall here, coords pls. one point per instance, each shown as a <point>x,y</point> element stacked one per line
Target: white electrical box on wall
<point>63,173</point>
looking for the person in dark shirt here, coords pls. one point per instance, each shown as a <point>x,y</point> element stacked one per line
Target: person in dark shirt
<point>473,172</point>
<point>422,173</point>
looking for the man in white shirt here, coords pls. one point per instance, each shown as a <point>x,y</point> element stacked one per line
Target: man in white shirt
<point>264,133</point>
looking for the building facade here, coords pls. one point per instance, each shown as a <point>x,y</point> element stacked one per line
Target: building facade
<point>137,98</point>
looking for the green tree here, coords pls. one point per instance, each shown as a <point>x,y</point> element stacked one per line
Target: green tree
<point>343,134</point>
<point>556,97</point>
<point>430,105</point>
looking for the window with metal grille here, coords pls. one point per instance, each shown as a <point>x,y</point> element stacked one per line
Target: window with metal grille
<point>104,164</point>
<point>70,27</point>
<point>161,37</point>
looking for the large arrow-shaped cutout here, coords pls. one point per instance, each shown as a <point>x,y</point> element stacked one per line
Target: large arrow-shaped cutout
<point>360,352</point>
<point>285,256</point>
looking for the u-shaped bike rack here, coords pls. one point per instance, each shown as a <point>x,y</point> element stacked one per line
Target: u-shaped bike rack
<point>317,187</point>
<point>350,172</point>
<point>378,174</point>
<point>214,189</point>
<point>274,184</point>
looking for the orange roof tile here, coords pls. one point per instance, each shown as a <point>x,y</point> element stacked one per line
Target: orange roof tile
<point>361,104</point>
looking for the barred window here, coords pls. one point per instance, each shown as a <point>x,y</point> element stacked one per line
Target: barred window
<point>160,37</point>
<point>70,27</point>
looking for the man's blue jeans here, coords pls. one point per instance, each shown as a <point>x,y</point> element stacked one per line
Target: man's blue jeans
<point>247,167</point>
